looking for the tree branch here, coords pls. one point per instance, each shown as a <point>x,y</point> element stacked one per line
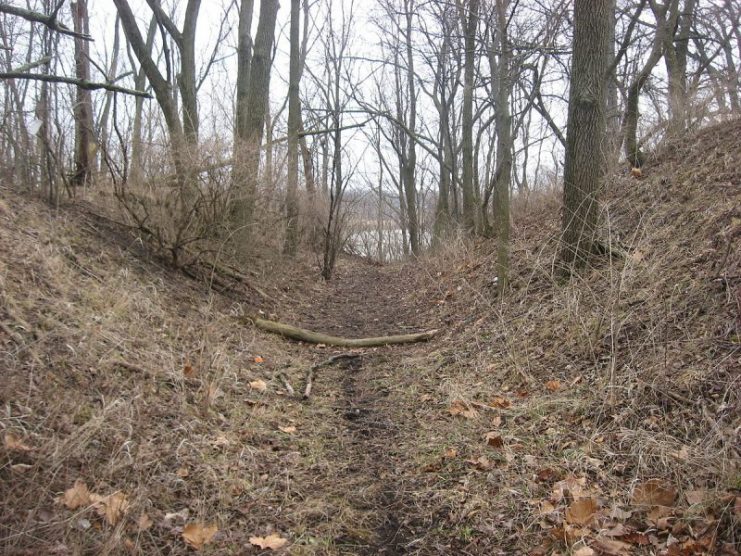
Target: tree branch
<point>87,85</point>
<point>49,20</point>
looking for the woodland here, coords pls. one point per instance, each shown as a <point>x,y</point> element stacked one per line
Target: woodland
<point>393,277</point>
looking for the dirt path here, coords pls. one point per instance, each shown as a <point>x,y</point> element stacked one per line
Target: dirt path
<point>364,301</point>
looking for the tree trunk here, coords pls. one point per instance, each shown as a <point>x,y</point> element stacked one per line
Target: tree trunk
<point>187,77</point>
<point>584,167</point>
<point>106,114</point>
<point>294,124</point>
<point>470,24</point>
<point>503,123</point>
<point>137,164</point>
<point>251,127</point>
<point>84,127</point>
<point>409,165</point>
<point>164,94</point>
<point>632,111</point>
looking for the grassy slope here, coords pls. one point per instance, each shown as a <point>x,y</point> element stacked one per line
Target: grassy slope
<point>645,350</point>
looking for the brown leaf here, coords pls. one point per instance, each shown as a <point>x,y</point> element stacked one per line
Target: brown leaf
<point>695,496</point>
<point>553,386</point>
<point>271,542</point>
<point>450,453</point>
<point>582,511</point>
<point>459,407</point>
<point>182,472</point>
<point>199,534</point>
<point>500,402</point>
<point>545,508</point>
<point>611,547</point>
<point>583,551</point>
<point>189,371</point>
<point>259,385</point>
<point>287,430</point>
<point>575,486</point>
<point>618,530</point>
<point>546,475</point>
<point>654,492</point>
<point>144,522</point>
<point>76,496</point>
<point>14,442</point>
<point>482,463</point>
<point>112,507</point>
<point>494,439</point>
<point>259,359</point>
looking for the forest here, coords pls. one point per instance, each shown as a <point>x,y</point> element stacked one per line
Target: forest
<point>390,277</point>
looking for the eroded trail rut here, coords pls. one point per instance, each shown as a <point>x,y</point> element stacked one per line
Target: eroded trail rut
<point>367,452</point>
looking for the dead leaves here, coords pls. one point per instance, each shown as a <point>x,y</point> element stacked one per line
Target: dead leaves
<point>15,443</point>
<point>259,385</point>
<point>111,507</point>
<point>76,496</point>
<point>197,535</point>
<point>271,542</point>
<point>459,407</point>
<point>582,511</point>
<point>654,492</point>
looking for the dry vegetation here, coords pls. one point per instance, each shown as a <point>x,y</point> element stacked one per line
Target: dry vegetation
<point>599,416</point>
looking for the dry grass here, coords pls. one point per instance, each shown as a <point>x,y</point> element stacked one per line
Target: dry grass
<point>96,340</point>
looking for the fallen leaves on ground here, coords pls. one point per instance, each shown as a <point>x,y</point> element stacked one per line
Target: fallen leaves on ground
<point>112,507</point>
<point>199,534</point>
<point>553,385</point>
<point>271,542</point>
<point>259,385</point>
<point>654,492</point>
<point>582,511</point>
<point>14,442</point>
<point>144,522</point>
<point>189,371</point>
<point>76,496</point>
<point>459,407</point>
<point>494,439</point>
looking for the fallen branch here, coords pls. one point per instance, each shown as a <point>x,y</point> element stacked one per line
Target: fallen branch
<point>284,379</point>
<point>314,368</point>
<point>303,335</point>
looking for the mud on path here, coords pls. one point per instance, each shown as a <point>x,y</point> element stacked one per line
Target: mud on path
<point>365,300</point>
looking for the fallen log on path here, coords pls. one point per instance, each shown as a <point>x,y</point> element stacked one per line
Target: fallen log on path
<point>303,335</point>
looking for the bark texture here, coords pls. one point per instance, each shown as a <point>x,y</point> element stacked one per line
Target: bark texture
<point>585,139</point>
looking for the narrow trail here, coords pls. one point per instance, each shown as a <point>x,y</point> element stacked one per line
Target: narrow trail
<point>364,301</point>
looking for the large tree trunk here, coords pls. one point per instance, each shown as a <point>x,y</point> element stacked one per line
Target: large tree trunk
<point>675,59</point>
<point>84,127</point>
<point>470,24</point>
<point>584,167</point>
<point>251,123</point>
<point>244,63</point>
<point>187,77</point>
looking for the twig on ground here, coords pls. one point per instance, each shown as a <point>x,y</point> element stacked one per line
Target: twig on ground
<point>287,385</point>
<point>312,371</point>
